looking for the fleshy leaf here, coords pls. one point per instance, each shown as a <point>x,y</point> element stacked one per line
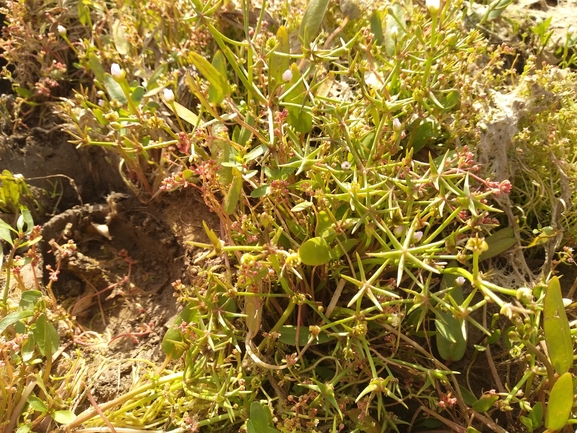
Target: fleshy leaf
<point>485,403</point>
<point>173,341</point>
<point>556,327</point>
<point>233,194</point>
<point>315,251</point>
<point>560,403</point>
<point>216,94</point>
<point>312,20</point>
<point>214,77</point>
<point>278,64</point>
<point>183,112</point>
<point>451,335</point>
<point>120,42</point>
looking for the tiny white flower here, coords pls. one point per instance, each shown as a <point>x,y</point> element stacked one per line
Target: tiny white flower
<point>117,72</point>
<point>460,280</point>
<point>398,231</point>
<point>345,165</point>
<point>287,76</point>
<point>417,236</point>
<point>397,125</point>
<point>433,6</point>
<point>61,30</point>
<point>507,310</point>
<point>168,95</point>
<point>524,294</point>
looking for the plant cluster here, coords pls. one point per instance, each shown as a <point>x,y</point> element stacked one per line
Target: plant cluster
<point>352,286</point>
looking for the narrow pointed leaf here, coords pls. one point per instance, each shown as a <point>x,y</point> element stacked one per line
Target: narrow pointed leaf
<point>183,112</point>
<point>216,94</point>
<point>212,74</point>
<point>233,194</point>
<point>312,20</point>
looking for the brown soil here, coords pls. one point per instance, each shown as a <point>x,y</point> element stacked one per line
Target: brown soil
<point>118,284</point>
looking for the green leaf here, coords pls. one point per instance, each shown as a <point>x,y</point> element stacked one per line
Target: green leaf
<point>23,92</point>
<point>11,190</point>
<point>324,223</point>
<point>329,394</point>
<point>83,13</point>
<point>468,397</point>
<point>450,100</point>
<point>183,112</point>
<point>156,75</point>
<point>233,195</point>
<point>498,243</point>
<point>424,132</point>
<point>36,404</point>
<point>288,335</point>
<point>377,27</point>
<point>213,76</point>
<point>137,94</point>
<point>451,335</point>
<point>261,191</point>
<point>299,118</point>
<point>173,342</point>
<point>301,206</point>
<point>216,94</point>
<point>27,220</point>
<point>12,318</point>
<point>46,336</point>
<point>260,417</point>
<point>212,237</point>
<point>497,7</point>
<point>28,348</point>
<point>312,20</point>
<point>536,415</point>
<point>315,251</point>
<point>278,64</point>
<point>95,66</point>
<point>63,416</point>
<point>343,247</point>
<point>6,232</point>
<point>114,89</point>
<point>556,328</point>
<point>119,37</point>
<point>244,134</point>
<point>250,427</point>
<point>485,403</point>
<point>255,153</point>
<point>395,20</point>
<point>560,403</point>
<point>527,422</point>
<point>28,300</point>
